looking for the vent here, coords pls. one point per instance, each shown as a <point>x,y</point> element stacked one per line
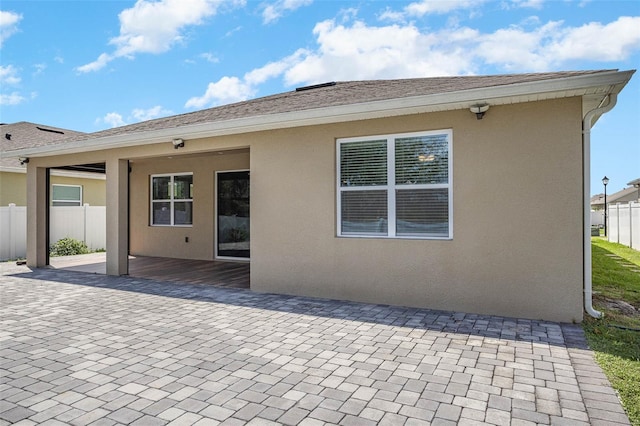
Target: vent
<point>50,130</point>
<point>315,86</point>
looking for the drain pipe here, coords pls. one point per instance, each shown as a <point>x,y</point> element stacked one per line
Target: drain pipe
<point>586,185</point>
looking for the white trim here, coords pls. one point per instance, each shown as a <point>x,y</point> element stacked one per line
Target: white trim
<point>57,172</point>
<point>391,187</point>
<point>215,217</point>
<point>78,175</point>
<point>571,86</point>
<point>171,201</point>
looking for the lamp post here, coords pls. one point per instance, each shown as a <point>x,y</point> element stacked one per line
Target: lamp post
<point>605,181</point>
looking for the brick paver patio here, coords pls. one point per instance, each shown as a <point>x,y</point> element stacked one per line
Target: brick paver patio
<point>78,348</point>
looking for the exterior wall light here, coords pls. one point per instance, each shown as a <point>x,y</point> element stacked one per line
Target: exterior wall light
<point>178,143</point>
<point>479,110</point>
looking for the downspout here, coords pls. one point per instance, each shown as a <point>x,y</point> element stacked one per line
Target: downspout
<point>586,185</point>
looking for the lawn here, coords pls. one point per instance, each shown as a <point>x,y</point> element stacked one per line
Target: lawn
<point>616,337</point>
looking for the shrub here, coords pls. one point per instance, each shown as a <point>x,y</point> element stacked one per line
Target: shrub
<point>68,247</point>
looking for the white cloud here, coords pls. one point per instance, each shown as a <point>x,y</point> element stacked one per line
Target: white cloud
<point>360,51</point>
<point>225,90</point>
<point>39,68</point>
<point>274,69</point>
<point>425,7</point>
<point>516,49</point>
<point>531,4</point>
<point>553,45</point>
<point>231,32</point>
<point>8,24</point>
<point>365,52</point>
<point>113,119</point>
<point>209,57</point>
<point>11,99</point>
<point>9,75</point>
<point>392,16</point>
<point>594,41</point>
<point>155,27</point>
<point>59,59</point>
<point>150,113</point>
<point>96,65</point>
<point>276,10</point>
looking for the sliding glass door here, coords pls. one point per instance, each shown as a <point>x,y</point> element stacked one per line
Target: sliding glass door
<point>233,215</point>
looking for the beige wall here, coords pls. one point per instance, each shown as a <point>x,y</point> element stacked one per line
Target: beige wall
<point>505,257</point>
<point>166,241</point>
<point>13,188</point>
<point>93,190</point>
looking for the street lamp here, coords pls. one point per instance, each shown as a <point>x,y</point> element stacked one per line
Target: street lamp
<point>605,181</point>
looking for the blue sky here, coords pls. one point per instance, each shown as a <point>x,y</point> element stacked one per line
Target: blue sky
<point>90,65</point>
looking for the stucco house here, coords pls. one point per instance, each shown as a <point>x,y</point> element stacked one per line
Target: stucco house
<point>68,187</point>
<point>418,192</point>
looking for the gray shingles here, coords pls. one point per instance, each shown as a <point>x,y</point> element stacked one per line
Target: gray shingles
<point>340,94</point>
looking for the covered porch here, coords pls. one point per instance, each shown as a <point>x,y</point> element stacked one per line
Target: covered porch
<point>200,272</point>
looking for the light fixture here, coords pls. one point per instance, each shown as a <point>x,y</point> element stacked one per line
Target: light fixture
<point>423,158</point>
<point>479,110</point>
<point>178,143</point>
<point>23,160</point>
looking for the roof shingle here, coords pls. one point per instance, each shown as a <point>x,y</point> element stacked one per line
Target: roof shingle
<point>325,96</point>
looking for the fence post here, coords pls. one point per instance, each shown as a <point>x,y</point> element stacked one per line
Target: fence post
<point>12,230</point>
<point>630,223</point>
<point>84,231</point>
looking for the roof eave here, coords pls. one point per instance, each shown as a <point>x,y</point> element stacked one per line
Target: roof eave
<point>596,86</point>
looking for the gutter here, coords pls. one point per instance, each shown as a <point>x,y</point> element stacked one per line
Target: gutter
<point>586,186</point>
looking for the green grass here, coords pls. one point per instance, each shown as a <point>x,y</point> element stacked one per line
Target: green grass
<point>615,338</point>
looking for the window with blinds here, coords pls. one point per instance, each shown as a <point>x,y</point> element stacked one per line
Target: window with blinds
<point>396,186</point>
<point>172,200</point>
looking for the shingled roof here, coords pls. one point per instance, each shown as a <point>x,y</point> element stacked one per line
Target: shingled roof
<point>24,134</point>
<point>336,100</point>
<point>336,94</point>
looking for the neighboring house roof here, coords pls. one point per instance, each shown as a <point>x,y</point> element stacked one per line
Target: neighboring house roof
<point>347,101</point>
<point>635,182</point>
<point>597,199</point>
<point>631,193</point>
<point>24,134</point>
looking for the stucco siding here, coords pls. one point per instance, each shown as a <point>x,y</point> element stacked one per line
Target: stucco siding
<point>169,241</point>
<point>13,188</point>
<point>93,190</point>
<point>505,257</point>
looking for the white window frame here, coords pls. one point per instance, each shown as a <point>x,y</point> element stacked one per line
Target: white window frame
<point>391,186</point>
<point>54,201</point>
<point>171,200</point>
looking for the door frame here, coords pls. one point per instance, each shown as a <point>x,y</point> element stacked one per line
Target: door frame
<point>215,217</point>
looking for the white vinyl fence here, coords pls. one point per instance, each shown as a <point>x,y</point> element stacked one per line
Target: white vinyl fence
<point>84,223</point>
<point>624,224</point>
<point>597,217</point>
